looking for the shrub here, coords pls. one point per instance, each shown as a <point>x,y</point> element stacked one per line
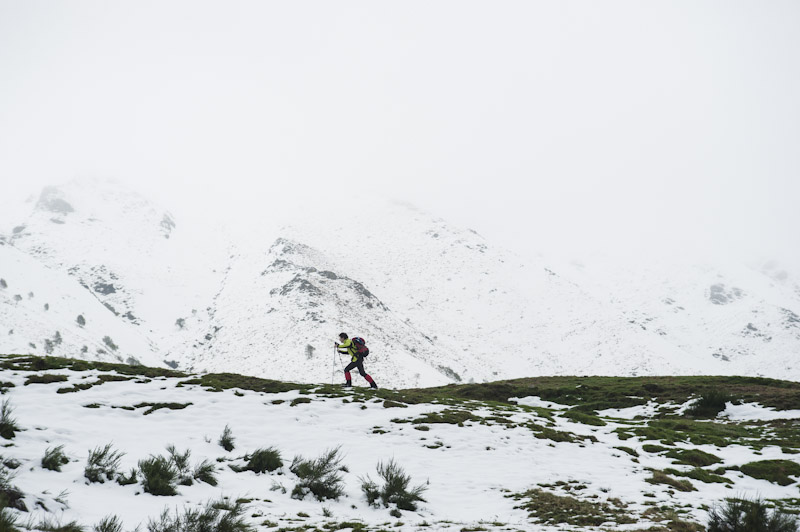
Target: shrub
<point>108,524</point>
<point>395,488</point>
<point>8,519</point>
<point>122,480</point>
<point>264,460</point>
<point>102,461</point>
<point>81,320</point>
<point>206,472</point>
<point>226,440</point>
<point>752,516</point>
<point>10,495</point>
<point>181,463</point>
<point>211,518</point>
<point>8,424</point>
<point>159,476</point>
<point>53,459</point>
<point>54,526</point>
<point>710,403</point>
<point>319,477</point>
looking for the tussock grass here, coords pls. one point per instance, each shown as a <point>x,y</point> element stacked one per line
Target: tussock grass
<point>10,495</point>
<point>395,489</point>
<point>102,462</point>
<point>321,477</point>
<point>206,472</point>
<point>109,523</point>
<point>738,514</point>
<point>47,525</point>
<point>8,423</point>
<point>54,458</point>
<point>226,439</point>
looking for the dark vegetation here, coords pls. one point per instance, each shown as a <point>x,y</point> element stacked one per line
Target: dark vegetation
<point>320,477</point>
<point>54,458</point>
<point>549,508</point>
<point>751,516</point>
<point>394,489</point>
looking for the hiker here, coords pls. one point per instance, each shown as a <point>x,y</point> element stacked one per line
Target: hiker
<point>357,354</point>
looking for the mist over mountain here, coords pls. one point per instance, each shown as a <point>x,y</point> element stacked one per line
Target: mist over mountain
<point>93,269</point>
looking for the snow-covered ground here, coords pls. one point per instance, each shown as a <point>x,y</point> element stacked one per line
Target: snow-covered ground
<point>469,470</point>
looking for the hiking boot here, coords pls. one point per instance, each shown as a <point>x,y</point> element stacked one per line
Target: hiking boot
<point>348,384</point>
<point>373,385</point>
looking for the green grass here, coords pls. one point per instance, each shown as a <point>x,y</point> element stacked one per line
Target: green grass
<point>693,457</point>
<point>711,402</point>
<point>45,378</point>
<point>586,419</point>
<point>152,407</point>
<point>628,450</point>
<point>777,471</point>
<point>700,474</point>
<point>548,508</point>
<point>660,477</point>
<point>674,430</point>
<point>36,363</point>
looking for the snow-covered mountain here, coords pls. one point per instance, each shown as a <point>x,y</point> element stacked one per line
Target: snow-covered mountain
<point>93,269</point>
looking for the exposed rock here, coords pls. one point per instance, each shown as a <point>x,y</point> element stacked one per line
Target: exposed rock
<point>52,199</point>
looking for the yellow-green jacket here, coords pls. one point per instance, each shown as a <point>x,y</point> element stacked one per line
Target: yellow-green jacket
<point>348,348</point>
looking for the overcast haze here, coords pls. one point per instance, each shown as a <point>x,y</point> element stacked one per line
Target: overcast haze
<point>580,125</point>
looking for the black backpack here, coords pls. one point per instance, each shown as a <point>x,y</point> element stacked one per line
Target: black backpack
<point>361,346</point>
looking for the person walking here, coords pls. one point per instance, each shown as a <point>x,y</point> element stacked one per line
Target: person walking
<point>348,347</point>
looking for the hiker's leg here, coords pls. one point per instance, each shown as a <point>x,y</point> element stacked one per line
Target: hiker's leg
<point>347,369</point>
<point>365,374</point>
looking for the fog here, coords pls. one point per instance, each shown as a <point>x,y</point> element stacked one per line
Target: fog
<point>563,127</point>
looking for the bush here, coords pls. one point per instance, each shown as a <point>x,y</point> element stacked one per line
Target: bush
<point>122,480</point>
<point>108,524</point>
<point>751,516</point>
<point>319,477</point>
<point>263,460</point>
<point>8,424</point>
<point>53,459</point>
<point>226,440</point>
<point>710,403</point>
<point>160,476</point>
<point>212,518</point>
<point>206,472</point>
<point>181,463</point>
<point>54,526</point>
<point>10,495</point>
<point>102,461</point>
<point>8,519</point>
<point>395,488</point>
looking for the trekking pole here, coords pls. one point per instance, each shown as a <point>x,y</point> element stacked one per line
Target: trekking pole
<point>333,371</point>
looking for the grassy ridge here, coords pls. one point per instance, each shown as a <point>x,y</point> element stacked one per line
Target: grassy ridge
<point>586,394</point>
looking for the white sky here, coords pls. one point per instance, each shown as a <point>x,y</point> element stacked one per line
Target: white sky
<point>558,125</point>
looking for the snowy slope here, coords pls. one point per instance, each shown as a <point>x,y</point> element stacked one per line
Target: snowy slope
<point>437,303</point>
<point>470,470</point>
